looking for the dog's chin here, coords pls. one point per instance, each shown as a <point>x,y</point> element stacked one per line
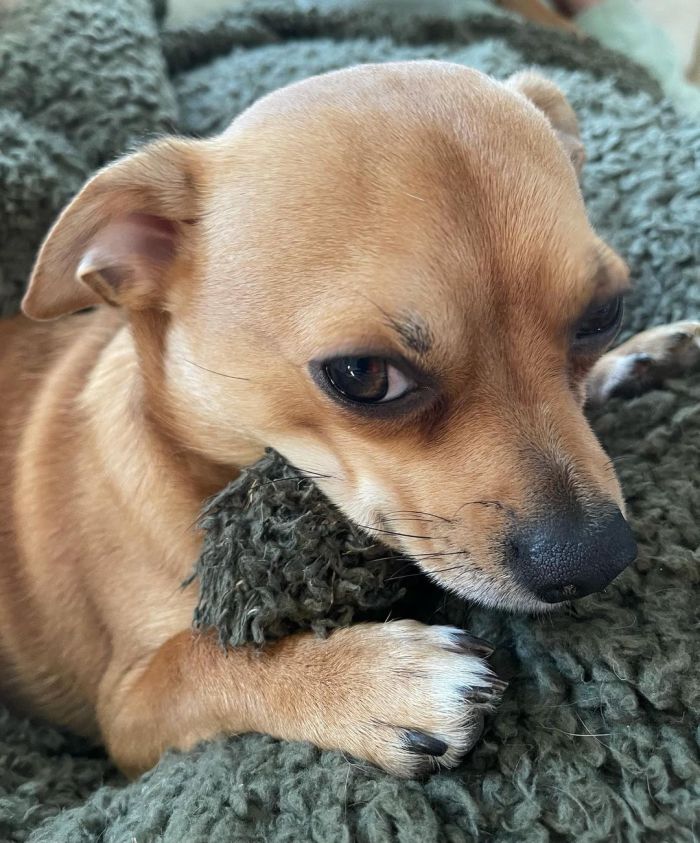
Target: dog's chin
<point>492,593</point>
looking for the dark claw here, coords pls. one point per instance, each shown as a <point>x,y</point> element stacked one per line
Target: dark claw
<point>472,644</point>
<point>486,695</point>
<point>422,744</point>
<point>480,697</point>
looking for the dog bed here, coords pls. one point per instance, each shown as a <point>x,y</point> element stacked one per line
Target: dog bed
<point>598,736</point>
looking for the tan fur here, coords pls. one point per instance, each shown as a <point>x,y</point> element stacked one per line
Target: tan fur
<point>323,213</point>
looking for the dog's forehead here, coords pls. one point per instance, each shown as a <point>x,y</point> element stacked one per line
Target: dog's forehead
<point>401,189</point>
<point>416,86</point>
<point>400,107</point>
<point>418,143</point>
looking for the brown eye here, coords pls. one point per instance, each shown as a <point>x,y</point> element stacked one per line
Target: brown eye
<point>367,380</point>
<point>600,321</point>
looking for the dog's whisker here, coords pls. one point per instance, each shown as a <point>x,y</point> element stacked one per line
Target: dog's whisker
<point>488,503</point>
<point>398,573</point>
<point>415,556</point>
<point>417,515</point>
<point>316,475</point>
<point>396,577</point>
<point>262,484</point>
<point>386,520</point>
<point>313,474</point>
<point>214,372</point>
<point>421,513</point>
<point>623,459</point>
<point>393,532</point>
<point>194,525</point>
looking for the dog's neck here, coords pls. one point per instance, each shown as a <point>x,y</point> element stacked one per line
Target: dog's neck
<point>159,481</point>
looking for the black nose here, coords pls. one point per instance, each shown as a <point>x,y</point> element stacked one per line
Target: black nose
<point>564,556</point>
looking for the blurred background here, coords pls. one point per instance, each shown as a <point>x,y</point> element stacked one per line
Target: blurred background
<point>661,35</point>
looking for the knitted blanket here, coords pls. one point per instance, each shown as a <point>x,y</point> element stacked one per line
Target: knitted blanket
<point>598,736</point>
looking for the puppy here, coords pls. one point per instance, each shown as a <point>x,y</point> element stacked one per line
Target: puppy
<point>385,273</point>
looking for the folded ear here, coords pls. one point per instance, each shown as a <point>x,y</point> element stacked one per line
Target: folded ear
<point>117,241</point>
<point>545,96</point>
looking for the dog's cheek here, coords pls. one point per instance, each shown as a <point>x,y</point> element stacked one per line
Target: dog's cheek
<point>359,495</point>
<point>208,404</point>
<point>317,460</point>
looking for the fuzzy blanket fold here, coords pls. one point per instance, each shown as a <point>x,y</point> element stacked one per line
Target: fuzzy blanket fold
<point>598,737</point>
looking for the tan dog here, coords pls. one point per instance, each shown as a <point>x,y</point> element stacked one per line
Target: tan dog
<point>387,274</point>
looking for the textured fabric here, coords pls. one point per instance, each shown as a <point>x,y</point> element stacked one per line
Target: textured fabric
<point>621,25</point>
<point>314,573</point>
<point>597,738</point>
<point>80,83</point>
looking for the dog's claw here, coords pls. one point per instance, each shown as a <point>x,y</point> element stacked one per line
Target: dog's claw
<point>500,686</point>
<point>423,744</point>
<point>471,644</point>
<point>487,695</point>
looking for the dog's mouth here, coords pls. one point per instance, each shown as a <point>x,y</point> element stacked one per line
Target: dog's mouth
<point>536,565</point>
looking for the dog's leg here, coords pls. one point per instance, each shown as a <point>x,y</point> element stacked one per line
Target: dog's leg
<point>645,361</point>
<point>403,695</point>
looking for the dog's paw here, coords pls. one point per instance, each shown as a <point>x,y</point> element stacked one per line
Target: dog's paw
<point>645,361</point>
<point>412,697</point>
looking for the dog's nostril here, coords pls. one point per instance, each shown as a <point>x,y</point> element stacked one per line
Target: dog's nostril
<point>514,552</point>
<point>567,555</point>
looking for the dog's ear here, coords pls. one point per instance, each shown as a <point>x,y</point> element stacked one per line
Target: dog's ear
<point>545,96</point>
<point>119,238</point>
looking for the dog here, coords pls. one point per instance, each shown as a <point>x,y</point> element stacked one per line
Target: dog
<point>386,274</point>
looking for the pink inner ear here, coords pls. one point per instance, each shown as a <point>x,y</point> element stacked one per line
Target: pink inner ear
<point>127,259</point>
<point>154,237</point>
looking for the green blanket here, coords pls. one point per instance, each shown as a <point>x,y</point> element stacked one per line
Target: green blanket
<point>598,736</point>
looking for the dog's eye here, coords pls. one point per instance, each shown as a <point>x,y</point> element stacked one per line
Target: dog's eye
<point>367,380</point>
<point>600,320</point>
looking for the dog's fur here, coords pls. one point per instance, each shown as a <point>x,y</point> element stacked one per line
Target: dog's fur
<point>420,210</point>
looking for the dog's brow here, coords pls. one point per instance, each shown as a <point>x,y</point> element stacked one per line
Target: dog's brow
<point>413,333</point>
<point>610,275</point>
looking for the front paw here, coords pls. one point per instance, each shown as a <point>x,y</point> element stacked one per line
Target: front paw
<point>413,697</point>
<point>645,361</point>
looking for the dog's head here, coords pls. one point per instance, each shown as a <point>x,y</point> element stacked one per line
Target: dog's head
<point>388,275</point>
